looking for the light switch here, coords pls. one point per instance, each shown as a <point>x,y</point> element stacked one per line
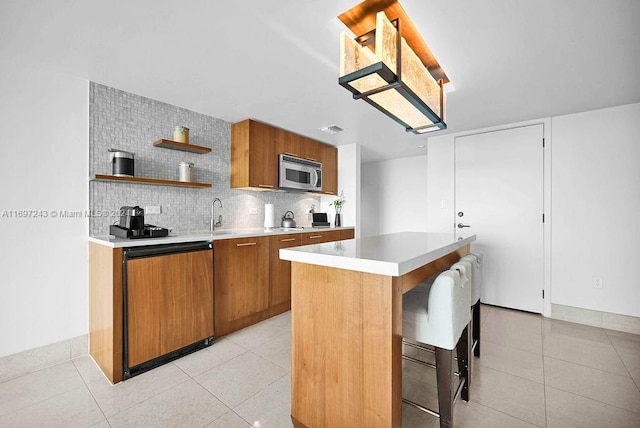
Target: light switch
<point>253,211</point>
<point>444,204</point>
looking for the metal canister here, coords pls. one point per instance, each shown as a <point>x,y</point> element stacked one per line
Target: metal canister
<point>122,162</point>
<point>185,171</point>
<point>181,134</point>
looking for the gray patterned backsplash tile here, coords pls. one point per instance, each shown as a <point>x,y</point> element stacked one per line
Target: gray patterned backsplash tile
<point>126,121</point>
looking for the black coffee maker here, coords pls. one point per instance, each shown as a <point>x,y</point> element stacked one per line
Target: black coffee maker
<point>132,219</point>
<point>132,225</point>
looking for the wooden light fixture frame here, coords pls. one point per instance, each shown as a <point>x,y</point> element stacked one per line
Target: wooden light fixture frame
<point>361,19</point>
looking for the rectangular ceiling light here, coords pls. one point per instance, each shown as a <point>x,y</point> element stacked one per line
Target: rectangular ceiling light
<point>381,68</point>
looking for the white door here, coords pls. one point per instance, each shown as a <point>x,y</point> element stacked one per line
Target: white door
<point>499,196</point>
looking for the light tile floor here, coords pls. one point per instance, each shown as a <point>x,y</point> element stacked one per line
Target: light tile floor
<point>532,372</point>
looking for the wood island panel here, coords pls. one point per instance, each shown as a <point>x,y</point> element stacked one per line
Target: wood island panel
<point>105,309</point>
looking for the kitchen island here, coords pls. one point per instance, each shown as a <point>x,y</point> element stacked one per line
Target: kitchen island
<point>346,306</point>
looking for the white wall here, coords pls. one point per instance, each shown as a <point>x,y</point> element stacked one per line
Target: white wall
<point>43,167</point>
<point>394,195</point>
<point>349,183</point>
<point>596,209</point>
<point>592,181</point>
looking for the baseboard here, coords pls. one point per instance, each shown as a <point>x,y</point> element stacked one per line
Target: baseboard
<point>606,320</point>
<point>22,363</point>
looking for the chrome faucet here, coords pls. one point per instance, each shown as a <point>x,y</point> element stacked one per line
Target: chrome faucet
<point>213,222</point>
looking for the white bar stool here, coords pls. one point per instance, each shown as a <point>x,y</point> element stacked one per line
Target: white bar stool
<point>476,291</point>
<point>437,314</point>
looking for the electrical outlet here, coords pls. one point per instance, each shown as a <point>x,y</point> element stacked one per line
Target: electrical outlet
<point>253,211</point>
<point>154,209</point>
<point>597,281</point>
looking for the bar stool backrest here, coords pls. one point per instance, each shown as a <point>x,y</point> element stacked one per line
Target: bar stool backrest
<point>436,315</point>
<point>476,284</point>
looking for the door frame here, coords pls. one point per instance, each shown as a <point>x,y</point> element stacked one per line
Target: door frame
<point>546,190</point>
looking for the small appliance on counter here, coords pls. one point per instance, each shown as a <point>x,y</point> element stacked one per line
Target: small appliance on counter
<point>131,225</point>
<point>122,163</point>
<point>320,220</point>
<point>288,222</point>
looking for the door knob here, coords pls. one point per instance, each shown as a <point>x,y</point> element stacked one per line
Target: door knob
<point>460,225</point>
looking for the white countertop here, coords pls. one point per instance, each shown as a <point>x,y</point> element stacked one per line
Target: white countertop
<point>180,237</point>
<point>394,254</point>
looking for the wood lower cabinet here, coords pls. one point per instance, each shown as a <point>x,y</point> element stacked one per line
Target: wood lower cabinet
<point>241,283</point>
<point>326,236</point>
<point>251,283</point>
<point>169,303</point>
<point>280,281</point>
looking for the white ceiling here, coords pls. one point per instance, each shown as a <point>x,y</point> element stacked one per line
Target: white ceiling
<point>277,60</point>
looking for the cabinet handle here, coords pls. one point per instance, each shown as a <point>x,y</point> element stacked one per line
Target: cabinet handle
<point>328,193</point>
<point>288,240</point>
<point>266,185</point>
<point>291,154</point>
<point>315,236</point>
<point>246,244</point>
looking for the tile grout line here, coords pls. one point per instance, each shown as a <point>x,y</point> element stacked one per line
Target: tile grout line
<point>622,361</point>
<point>593,399</point>
<point>84,382</point>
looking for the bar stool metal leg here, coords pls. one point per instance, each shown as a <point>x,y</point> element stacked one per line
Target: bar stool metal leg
<point>476,329</point>
<point>444,374</point>
<point>464,356</point>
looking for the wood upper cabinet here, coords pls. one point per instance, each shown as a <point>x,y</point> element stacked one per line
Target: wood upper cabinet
<point>311,149</point>
<point>169,303</point>
<point>329,159</point>
<point>255,147</point>
<point>254,160</point>
<point>288,143</point>
<point>241,283</point>
<point>280,298</point>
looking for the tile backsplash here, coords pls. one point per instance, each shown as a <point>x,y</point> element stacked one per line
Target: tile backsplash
<point>126,121</point>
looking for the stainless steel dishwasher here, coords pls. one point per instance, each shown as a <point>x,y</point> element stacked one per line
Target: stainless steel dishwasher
<point>167,303</point>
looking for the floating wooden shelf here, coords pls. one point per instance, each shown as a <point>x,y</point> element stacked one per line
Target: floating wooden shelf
<point>174,145</point>
<point>140,180</point>
<point>362,18</point>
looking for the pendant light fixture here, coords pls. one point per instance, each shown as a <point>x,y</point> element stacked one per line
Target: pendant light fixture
<point>390,66</point>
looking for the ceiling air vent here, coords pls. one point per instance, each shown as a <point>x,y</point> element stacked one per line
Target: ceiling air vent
<point>331,129</point>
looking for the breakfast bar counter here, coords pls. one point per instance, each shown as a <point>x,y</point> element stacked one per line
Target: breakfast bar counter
<point>346,326</point>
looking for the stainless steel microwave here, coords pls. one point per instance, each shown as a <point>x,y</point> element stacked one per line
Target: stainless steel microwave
<point>299,174</point>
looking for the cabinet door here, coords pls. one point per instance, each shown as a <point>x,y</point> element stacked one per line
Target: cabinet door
<point>341,234</point>
<point>327,236</point>
<point>241,283</point>
<point>280,298</point>
<point>329,170</point>
<point>315,237</point>
<point>311,149</point>
<point>254,157</point>
<point>263,156</point>
<point>169,303</point>
<point>288,143</point>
